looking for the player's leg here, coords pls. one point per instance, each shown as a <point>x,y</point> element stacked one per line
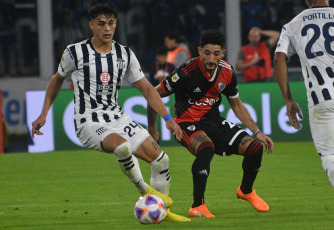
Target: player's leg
<point>150,152</point>
<point>230,139</point>
<point>203,149</point>
<point>201,146</point>
<point>322,129</point>
<point>328,166</point>
<point>252,151</point>
<point>126,161</point>
<point>112,138</point>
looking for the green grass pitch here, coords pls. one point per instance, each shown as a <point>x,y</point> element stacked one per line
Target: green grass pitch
<point>87,190</point>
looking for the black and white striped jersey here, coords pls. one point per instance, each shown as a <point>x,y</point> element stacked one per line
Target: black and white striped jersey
<point>311,34</point>
<point>97,78</point>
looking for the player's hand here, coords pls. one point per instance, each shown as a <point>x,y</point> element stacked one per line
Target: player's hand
<point>292,111</point>
<point>154,133</point>
<point>37,124</point>
<point>174,129</point>
<point>269,144</point>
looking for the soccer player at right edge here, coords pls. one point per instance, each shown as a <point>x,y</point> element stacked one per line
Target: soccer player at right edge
<point>311,34</point>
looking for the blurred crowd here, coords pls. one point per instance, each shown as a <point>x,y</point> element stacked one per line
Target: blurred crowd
<point>145,23</point>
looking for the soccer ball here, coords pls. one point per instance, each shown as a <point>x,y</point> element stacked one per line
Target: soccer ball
<point>150,209</point>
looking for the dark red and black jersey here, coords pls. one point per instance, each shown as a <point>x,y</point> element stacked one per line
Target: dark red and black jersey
<point>197,94</point>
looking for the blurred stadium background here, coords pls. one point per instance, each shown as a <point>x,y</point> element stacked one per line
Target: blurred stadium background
<point>34,33</point>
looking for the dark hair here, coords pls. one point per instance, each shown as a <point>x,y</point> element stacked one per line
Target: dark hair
<point>212,37</point>
<point>161,50</point>
<point>106,9</point>
<point>173,36</point>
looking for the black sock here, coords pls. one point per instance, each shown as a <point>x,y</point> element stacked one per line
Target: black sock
<point>201,171</point>
<point>251,165</point>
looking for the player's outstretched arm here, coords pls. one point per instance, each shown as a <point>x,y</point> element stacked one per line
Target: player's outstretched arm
<point>52,91</point>
<point>154,101</point>
<point>281,71</point>
<point>243,115</point>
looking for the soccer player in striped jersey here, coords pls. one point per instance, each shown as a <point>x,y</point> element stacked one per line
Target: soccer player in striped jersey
<point>97,67</point>
<point>311,34</point>
<point>198,85</point>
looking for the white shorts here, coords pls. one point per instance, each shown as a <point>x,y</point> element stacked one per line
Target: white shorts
<point>91,134</point>
<point>322,127</point>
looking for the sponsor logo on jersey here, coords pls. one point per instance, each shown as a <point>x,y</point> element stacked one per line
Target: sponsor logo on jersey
<point>221,86</point>
<point>105,77</point>
<point>206,102</point>
<point>197,90</point>
<point>168,86</point>
<point>101,130</point>
<point>191,128</point>
<point>175,77</point>
<point>87,64</point>
<point>120,63</point>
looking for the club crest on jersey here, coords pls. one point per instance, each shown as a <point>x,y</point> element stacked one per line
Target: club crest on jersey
<point>221,86</point>
<point>120,63</point>
<point>191,128</point>
<point>175,77</point>
<point>105,77</point>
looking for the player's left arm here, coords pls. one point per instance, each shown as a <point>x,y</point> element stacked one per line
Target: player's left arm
<point>154,100</point>
<point>243,115</point>
<point>152,116</point>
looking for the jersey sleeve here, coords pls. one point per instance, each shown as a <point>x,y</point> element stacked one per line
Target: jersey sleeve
<point>134,72</point>
<point>231,90</point>
<point>284,43</point>
<point>66,65</point>
<point>172,82</point>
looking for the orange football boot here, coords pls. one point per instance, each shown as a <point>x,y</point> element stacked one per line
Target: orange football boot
<point>257,203</point>
<point>200,211</point>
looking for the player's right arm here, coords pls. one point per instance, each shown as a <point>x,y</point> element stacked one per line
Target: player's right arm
<point>281,71</point>
<point>65,68</point>
<point>52,91</point>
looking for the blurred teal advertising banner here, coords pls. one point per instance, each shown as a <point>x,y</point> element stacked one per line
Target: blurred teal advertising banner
<point>263,101</point>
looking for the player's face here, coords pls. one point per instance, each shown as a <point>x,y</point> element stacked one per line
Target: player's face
<point>103,28</point>
<point>211,55</point>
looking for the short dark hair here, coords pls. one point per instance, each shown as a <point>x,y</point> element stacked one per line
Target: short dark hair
<point>212,37</point>
<point>106,9</point>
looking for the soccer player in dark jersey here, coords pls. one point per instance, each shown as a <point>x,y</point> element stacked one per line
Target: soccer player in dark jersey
<point>198,85</point>
<point>97,67</point>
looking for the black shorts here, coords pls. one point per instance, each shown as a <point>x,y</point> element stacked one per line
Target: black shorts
<point>225,135</point>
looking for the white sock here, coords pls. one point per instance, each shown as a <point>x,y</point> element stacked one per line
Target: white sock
<point>130,166</point>
<point>160,178</point>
